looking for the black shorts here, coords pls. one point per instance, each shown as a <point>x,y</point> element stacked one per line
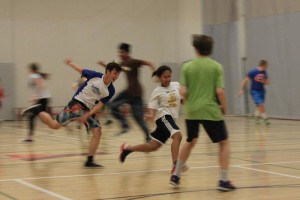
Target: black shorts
<point>165,128</point>
<point>216,130</point>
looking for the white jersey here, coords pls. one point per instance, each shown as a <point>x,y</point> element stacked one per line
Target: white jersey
<point>94,89</point>
<point>41,92</point>
<point>166,100</point>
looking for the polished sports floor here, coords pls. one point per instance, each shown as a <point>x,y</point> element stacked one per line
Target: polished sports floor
<point>265,164</point>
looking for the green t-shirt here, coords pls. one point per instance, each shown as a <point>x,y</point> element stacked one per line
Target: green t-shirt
<point>201,77</point>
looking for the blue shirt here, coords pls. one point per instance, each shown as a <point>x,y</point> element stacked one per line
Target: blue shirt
<point>94,89</point>
<point>257,79</point>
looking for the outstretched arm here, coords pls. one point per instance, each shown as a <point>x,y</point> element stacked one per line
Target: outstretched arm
<point>243,85</point>
<point>102,63</point>
<point>150,64</point>
<point>70,62</point>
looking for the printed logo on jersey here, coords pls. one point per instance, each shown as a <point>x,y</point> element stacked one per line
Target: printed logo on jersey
<point>172,100</point>
<point>259,78</point>
<point>96,90</point>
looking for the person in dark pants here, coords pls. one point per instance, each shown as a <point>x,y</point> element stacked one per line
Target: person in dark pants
<point>40,96</point>
<point>132,95</point>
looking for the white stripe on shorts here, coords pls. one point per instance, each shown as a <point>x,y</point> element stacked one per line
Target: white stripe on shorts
<point>169,126</point>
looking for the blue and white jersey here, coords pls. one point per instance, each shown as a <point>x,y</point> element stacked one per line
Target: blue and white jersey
<point>94,89</point>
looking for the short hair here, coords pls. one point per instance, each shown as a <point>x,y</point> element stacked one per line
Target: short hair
<point>263,62</point>
<point>113,66</point>
<point>203,44</point>
<point>161,70</point>
<point>124,47</point>
<point>34,67</point>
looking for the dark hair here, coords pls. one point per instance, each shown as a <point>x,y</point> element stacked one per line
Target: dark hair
<point>124,47</point>
<point>203,44</point>
<point>112,65</point>
<point>36,69</point>
<point>263,62</point>
<point>161,70</point>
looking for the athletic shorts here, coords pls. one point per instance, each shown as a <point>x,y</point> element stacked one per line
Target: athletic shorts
<point>73,111</point>
<point>258,96</point>
<point>216,130</point>
<point>165,128</point>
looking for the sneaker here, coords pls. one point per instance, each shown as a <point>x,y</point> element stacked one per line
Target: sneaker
<point>226,186</point>
<point>123,131</point>
<point>27,140</point>
<point>266,121</point>
<point>30,110</point>
<point>124,152</point>
<point>183,169</point>
<point>92,165</point>
<point>174,180</point>
<point>108,122</point>
<point>256,119</point>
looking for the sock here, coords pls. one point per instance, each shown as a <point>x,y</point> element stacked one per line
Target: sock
<point>264,115</point>
<point>223,174</point>
<point>178,167</point>
<point>256,113</point>
<point>90,159</point>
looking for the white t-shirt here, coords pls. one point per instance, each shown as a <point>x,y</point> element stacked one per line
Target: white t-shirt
<point>43,92</point>
<point>94,89</point>
<point>166,100</point>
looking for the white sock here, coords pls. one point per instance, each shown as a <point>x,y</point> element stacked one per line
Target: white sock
<point>178,167</point>
<point>256,113</point>
<point>264,115</point>
<point>223,174</point>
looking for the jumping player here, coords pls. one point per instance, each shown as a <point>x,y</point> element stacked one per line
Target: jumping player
<point>89,98</point>
<point>163,108</point>
<point>201,80</point>
<point>133,93</point>
<point>259,78</point>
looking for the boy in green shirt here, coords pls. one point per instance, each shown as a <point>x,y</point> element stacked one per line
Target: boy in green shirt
<point>205,103</point>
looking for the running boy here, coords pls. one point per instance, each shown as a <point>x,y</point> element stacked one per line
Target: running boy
<point>259,78</point>
<point>89,98</point>
<point>202,81</point>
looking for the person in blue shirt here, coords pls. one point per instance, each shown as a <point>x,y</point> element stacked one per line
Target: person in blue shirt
<point>258,78</point>
<point>89,98</point>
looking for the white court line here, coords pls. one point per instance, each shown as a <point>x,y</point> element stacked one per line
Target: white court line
<point>158,170</point>
<point>103,174</point>
<point>41,189</point>
<point>269,172</point>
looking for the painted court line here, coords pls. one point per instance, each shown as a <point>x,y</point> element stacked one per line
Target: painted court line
<point>41,189</point>
<point>269,172</point>
<point>159,170</point>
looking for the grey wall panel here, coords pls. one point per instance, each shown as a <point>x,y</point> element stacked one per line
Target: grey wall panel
<point>225,52</point>
<point>276,38</point>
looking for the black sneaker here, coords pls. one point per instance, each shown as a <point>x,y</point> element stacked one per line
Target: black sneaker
<point>226,186</point>
<point>174,180</point>
<point>27,141</point>
<point>92,165</point>
<point>124,152</point>
<point>108,122</point>
<point>31,110</point>
<point>123,131</point>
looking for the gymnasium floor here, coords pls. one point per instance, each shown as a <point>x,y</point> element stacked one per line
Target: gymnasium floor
<point>265,164</point>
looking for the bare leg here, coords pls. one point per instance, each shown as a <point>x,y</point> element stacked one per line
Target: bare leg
<point>153,145</point>
<point>95,140</point>
<point>47,119</point>
<point>224,154</point>
<point>175,146</point>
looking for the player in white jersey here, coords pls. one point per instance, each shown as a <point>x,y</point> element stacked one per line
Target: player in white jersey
<point>40,96</point>
<point>163,108</point>
<point>87,101</point>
